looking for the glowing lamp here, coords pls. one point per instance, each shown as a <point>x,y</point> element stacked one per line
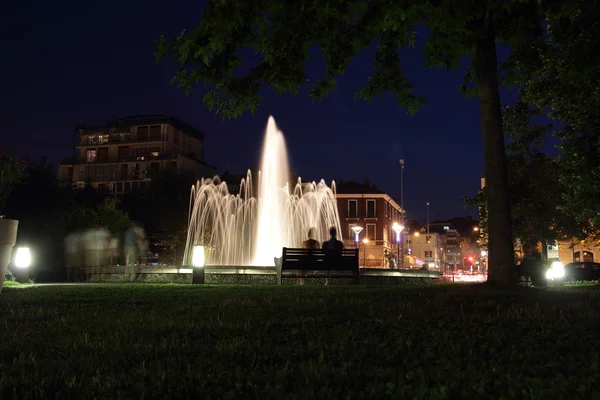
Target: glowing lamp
<point>397,228</point>
<point>357,230</point>
<point>198,256</point>
<point>23,257</point>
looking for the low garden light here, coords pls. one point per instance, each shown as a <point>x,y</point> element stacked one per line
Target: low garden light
<point>198,256</point>
<point>22,257</point>
<point>198,265</point>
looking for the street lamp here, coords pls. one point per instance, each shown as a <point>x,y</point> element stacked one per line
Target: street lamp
<point>398,228</point>
<point>357,230</point>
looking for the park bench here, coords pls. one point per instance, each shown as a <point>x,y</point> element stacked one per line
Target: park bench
<point>307,260</point>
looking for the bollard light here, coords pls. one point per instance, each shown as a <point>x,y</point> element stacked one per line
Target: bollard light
<point>198,256</point>
<point>198,265</point>
<point>23,257</point>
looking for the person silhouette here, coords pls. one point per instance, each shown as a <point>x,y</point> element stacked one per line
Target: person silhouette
<point>311,242</point>
<point>333,246</point>
<point>333,243</point>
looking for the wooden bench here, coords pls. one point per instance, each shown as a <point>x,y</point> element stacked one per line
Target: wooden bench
<point>344,263</point>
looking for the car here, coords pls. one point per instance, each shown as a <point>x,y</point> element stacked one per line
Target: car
<point>582,271</point>
<point>538,272</point>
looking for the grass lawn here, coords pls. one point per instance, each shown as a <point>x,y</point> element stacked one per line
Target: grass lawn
<point>299,342</point>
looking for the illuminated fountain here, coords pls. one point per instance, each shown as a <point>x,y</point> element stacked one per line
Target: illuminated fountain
<point>241,229</point>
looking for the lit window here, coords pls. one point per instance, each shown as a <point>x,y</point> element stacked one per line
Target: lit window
<point>90,155</point>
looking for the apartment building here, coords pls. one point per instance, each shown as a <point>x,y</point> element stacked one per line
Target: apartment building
<point>124,154</point>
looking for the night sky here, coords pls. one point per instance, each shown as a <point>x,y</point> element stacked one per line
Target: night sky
<point>82,61</point>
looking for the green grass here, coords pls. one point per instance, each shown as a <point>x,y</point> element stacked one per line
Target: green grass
<point>299,342</point>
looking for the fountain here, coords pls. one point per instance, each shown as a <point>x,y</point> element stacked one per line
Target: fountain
<point>241,229</point>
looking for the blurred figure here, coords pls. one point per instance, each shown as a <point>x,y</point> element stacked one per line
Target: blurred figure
<point>131,246</point>
<point>113,251</point>
<point>310,243</point>
<point>96,248</point>
<point>143,244</point>
<point>73,255</point>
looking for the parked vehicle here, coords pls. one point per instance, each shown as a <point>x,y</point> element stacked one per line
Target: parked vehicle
<point>582,271</point>
<point>539,273</point>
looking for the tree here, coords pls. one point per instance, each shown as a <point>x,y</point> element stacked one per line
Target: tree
<point>559,74</point>
<point>282,32</point>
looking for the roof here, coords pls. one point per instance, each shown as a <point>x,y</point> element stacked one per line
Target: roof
<point>356,188</point>
<point>123,124</point>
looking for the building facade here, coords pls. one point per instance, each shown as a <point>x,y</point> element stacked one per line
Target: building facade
<point>124,154</point>
<point>376,212</point>
<point>428,250</point>
<point>454,256</point>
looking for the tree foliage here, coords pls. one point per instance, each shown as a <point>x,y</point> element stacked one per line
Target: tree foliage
<point>559,74</point>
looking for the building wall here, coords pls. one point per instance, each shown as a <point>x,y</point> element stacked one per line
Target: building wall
<point>376,227</point>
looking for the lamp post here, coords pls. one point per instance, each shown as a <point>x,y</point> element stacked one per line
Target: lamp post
<point>357,230</point>
<point>398,228</point>
<point>402,188</point>
<point>427,218</point>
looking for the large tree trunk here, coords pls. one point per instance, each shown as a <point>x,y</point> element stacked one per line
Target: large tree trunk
<point>500,243</point>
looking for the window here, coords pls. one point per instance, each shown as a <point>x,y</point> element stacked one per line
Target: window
<point>102,139</point>
<point>428,238</point>
<point>174,164</point>
<point>90,155</point>
<point>154,167</point>
<point>154,151</point>
<point>371,231</point>
<point>142,133</point>
<point>176,136</point>
<point>428,253</point>
<point>370,208</point>
<point>124,172</point>
<point>123,153</point>
<point>103,154</point>
<point>352,209</point>
<point>155,132</point>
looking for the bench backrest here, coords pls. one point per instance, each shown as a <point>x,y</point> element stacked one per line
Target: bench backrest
<point>318,259</point>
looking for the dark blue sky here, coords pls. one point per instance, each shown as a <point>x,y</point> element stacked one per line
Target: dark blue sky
<point>82,61</point>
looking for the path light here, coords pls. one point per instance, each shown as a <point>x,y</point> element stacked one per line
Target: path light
<point>23,257</point>
<point>198,265</point>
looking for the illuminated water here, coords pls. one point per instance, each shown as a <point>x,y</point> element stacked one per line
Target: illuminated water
<point>244,229</point>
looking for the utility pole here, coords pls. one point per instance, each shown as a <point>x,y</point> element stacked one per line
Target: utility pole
<point>402,207</point>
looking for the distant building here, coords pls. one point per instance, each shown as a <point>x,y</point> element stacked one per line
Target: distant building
<point>124,154</point>
<point>375,211</point>
<point>426,248</point>
<point>453,251</point>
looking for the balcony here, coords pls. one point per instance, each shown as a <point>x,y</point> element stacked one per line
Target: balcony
<point>99,142</point>
<point>128,158</point>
